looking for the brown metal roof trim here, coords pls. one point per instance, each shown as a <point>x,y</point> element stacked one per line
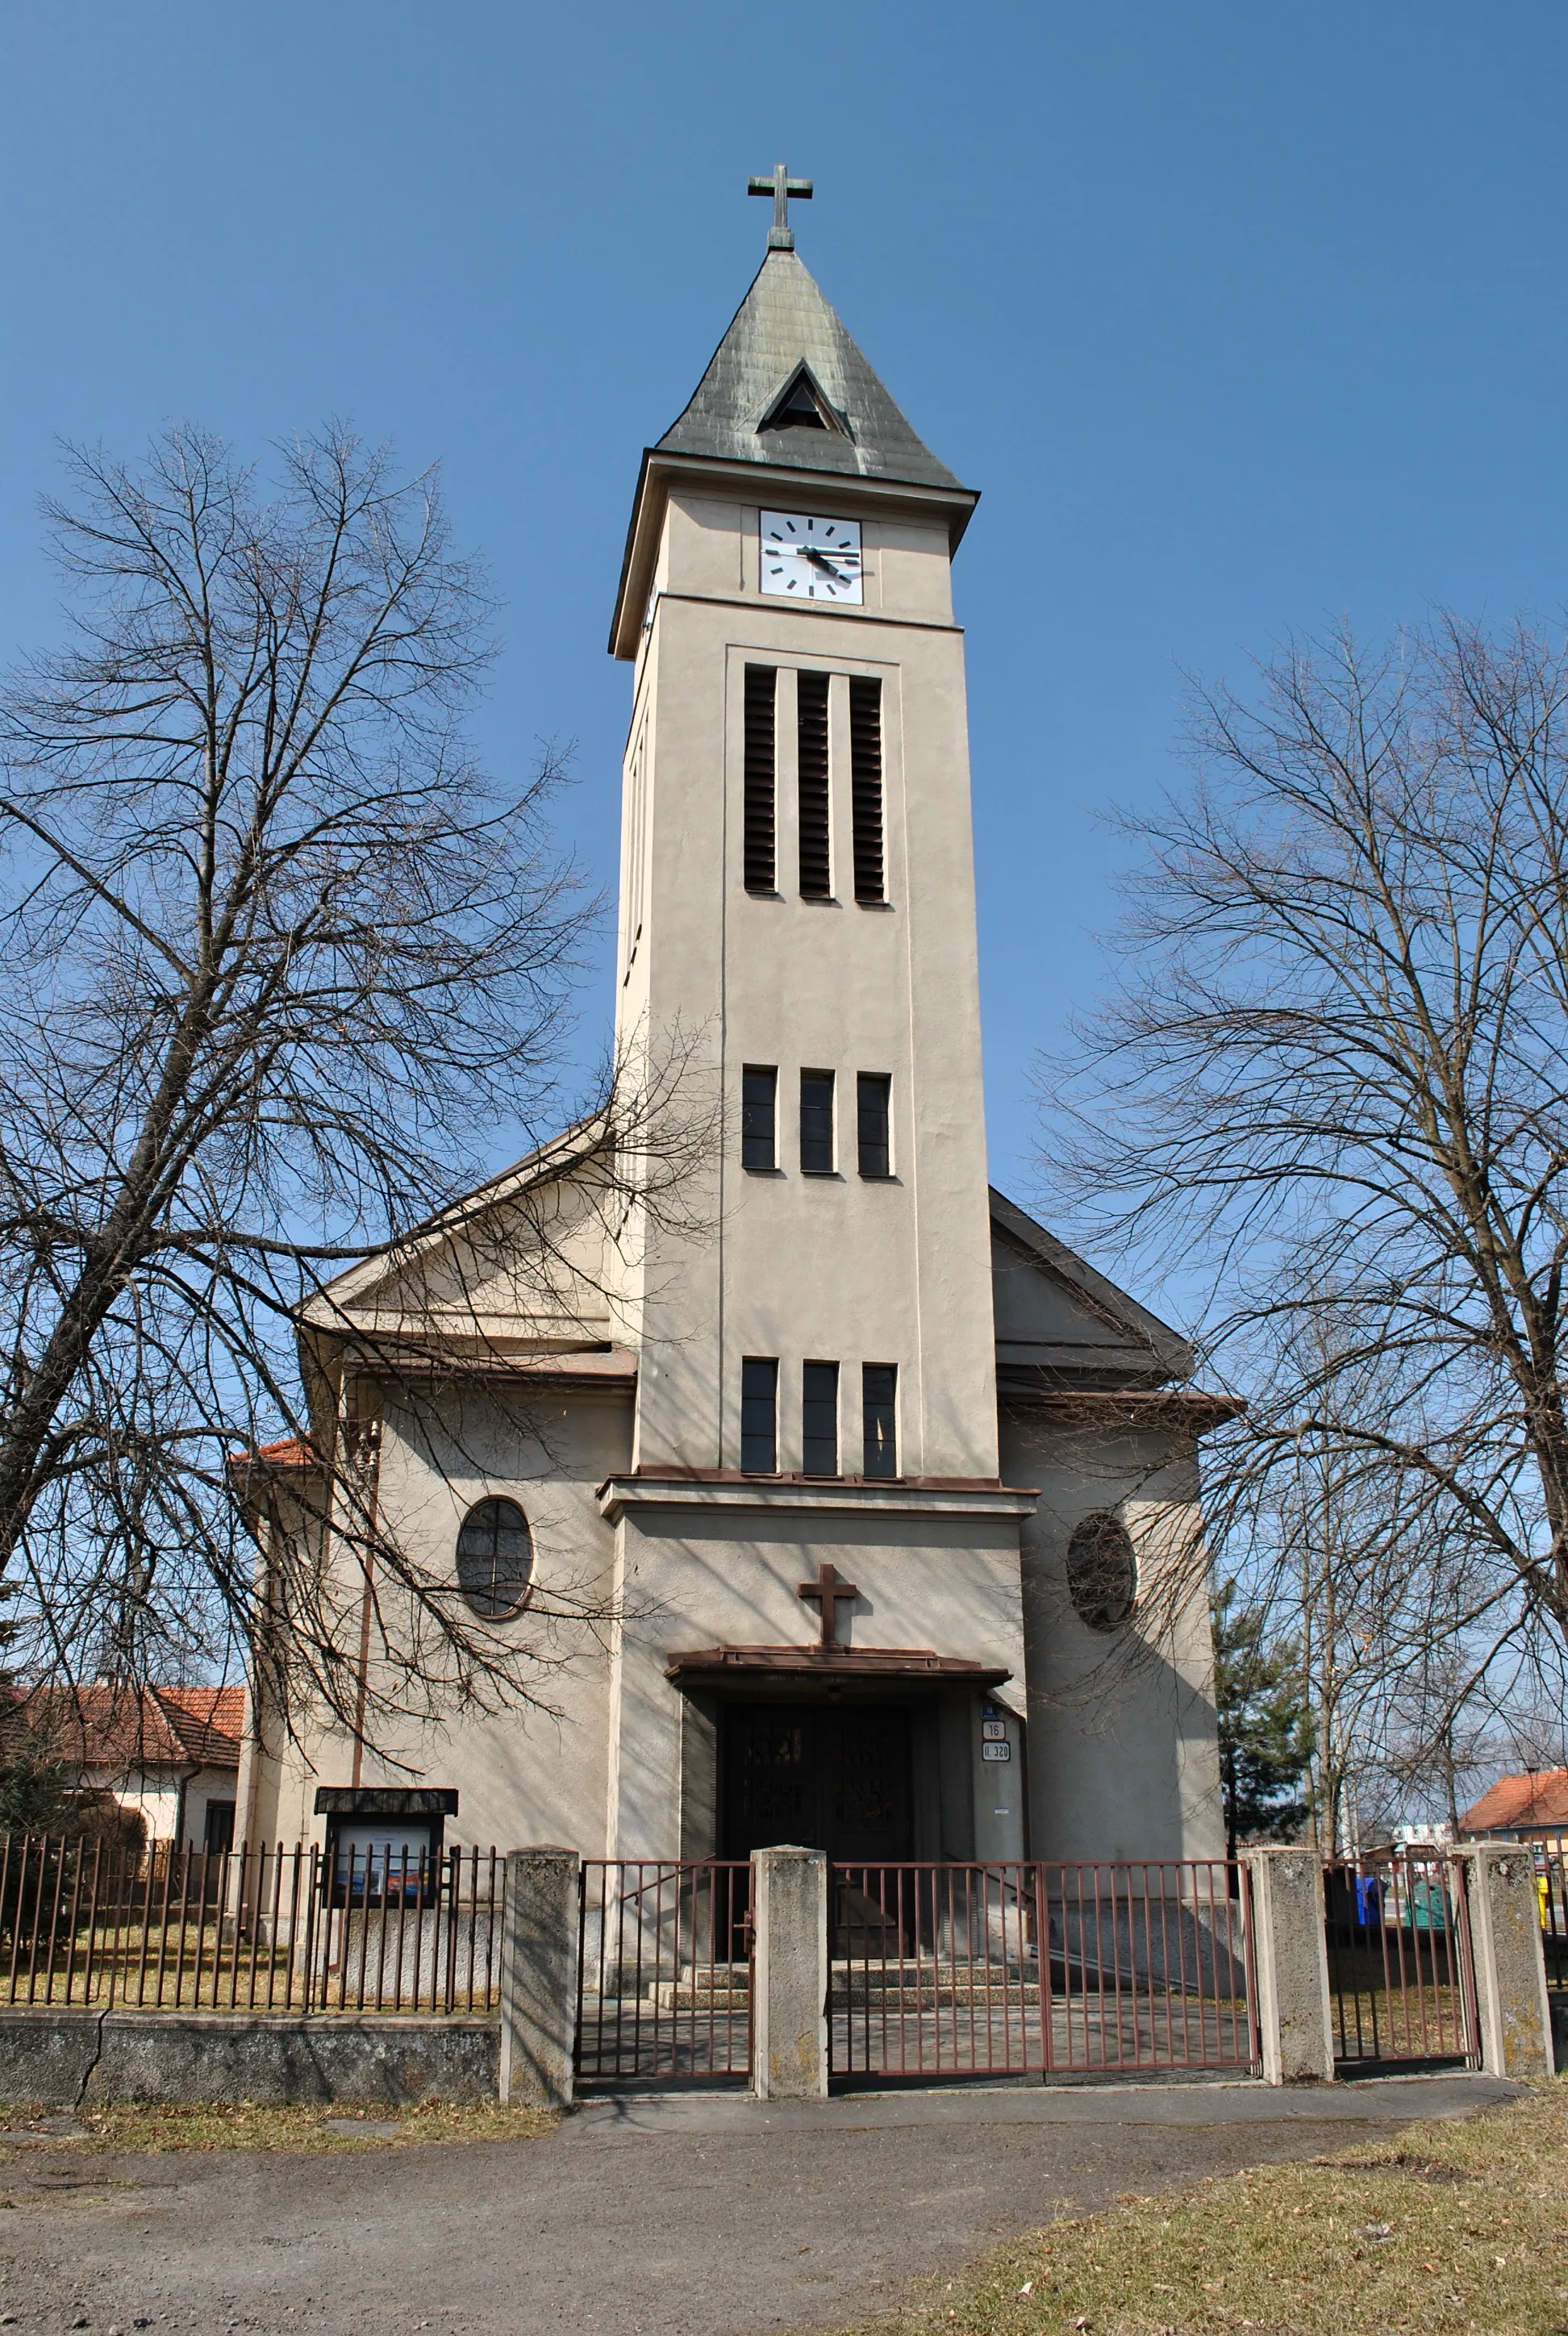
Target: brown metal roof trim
<point>705,1666</point>
<point>1143,1408</point>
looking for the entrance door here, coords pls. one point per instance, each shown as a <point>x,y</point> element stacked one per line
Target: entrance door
<point>835,1778</point>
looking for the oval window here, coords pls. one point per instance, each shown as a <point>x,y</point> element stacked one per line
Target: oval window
<point>495,1559</point>
<point>1102,1571</point>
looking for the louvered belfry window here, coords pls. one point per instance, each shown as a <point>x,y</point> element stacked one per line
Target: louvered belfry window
<point>866,785</point>
<point>761,873</point>
<point>816,856</point>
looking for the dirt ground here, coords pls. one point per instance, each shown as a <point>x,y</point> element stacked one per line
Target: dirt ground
<point>688,2216</point>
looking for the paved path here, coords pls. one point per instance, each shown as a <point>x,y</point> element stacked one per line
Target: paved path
<point>690,2217</point>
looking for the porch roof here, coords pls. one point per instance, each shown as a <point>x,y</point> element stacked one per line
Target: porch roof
<point>711,1666</point>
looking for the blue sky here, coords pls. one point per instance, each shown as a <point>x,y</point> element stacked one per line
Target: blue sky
<point>1242,316</point>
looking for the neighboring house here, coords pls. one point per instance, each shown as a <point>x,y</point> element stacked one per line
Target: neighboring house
<point>1532,1808</point>
<point>171,1754</point>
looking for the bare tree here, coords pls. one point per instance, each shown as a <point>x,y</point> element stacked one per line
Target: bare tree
<point>1334,1078</point>
<point>279,960</point>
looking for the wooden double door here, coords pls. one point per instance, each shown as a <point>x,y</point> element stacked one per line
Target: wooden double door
<point>829,1777</point>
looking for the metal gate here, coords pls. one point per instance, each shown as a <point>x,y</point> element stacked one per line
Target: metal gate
<point>1039,1969</point>
<point>1400,1974</point>
<point>664,1980</point>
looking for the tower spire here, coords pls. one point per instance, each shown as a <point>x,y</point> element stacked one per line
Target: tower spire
<point>781,186</point>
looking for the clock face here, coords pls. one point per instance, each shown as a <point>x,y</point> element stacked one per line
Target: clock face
<point>807,559</point>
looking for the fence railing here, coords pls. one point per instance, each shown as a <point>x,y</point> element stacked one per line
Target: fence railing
<point>1400,1976</point>
<point>1054,1969</point>
<point>664,1975</point>
<point>271,1928</point>
<point>1552,1897</point>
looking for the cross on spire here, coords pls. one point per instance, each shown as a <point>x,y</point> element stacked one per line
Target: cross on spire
<point>833,1594</point>
<point>781,186</point>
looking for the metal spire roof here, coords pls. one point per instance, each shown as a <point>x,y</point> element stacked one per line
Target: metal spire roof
<point>784,337</point>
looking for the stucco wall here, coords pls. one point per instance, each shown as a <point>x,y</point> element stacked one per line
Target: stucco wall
<point>810,1267</point>
<point>529,1773</point>
<point>1122,1762</point>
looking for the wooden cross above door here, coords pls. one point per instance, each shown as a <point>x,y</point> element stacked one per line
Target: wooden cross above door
<point>833,1593</point>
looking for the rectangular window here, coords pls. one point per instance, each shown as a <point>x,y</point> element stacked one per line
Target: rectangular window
<point>812,714</point>
<point>879,1398</point>
<point>866,786</point>
<point>759,1414</point>
<point>873,1115</point>
<point>761,874</point>
<point>820,1419</point>
<point>758,1115</point>
<point>816,1122</point>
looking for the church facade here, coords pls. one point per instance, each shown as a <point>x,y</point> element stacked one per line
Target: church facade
<point>843,1505</point>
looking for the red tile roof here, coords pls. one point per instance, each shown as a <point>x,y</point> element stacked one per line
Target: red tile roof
<point>106,1725</point>
<point>288,1452</point>
<point>1539,1798</point>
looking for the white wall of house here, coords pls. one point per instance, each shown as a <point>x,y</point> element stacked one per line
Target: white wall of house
<point>155,1796</point>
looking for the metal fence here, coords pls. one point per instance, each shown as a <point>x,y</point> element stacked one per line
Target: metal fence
<point>1400,1975</point>
<point>1043,1969</point>
<point>1551,1896</point>
<point>279,1928</point>
<point>664,1972</point>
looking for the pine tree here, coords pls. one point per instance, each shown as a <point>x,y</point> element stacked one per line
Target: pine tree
<point>1265,1725</point>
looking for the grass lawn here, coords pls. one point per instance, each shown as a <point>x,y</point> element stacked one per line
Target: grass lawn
<point>1454,2225</point>
<point>298,2126</point>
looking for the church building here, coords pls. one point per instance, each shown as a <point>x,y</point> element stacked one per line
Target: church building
<point>843,1505</point>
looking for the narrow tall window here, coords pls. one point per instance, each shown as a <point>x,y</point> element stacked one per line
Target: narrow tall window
<point>816,856</point>
<point>761,873</point>
<point>874,1133</point>
<point>820,1419</point>
<point>758,1115</point>
<point>759,1414</point>
<point>866,786</point>
<point>878,1401</point>
<point>816,1122</point>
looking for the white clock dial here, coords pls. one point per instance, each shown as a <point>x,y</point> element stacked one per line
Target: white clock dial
<point>811,559</point>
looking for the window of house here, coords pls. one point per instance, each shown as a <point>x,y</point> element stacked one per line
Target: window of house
<point>761,872</point>
<point>878,1401</point>
<point>816,1122</point>
<point>873,1130</point>
<point>217,1828</point>
<point>759,1414</point>
<point>812,769</point>
<point>820,1419</point>
<point>495,1559</point>
<point>866,786</point>
<point>759,1115</point>
<point>1102,1571</point>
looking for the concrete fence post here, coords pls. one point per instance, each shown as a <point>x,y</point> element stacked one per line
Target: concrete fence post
<point>1514,2013</point>
<point>539,1977</point>
<point>789,2032</point>
<point>1291,1965</point>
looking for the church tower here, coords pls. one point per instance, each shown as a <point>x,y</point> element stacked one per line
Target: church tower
<point>797,904</point>
<point>798,915</point>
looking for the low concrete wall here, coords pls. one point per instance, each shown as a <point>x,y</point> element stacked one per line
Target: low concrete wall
<point>48,2056</point>
<point>69,2060</point>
